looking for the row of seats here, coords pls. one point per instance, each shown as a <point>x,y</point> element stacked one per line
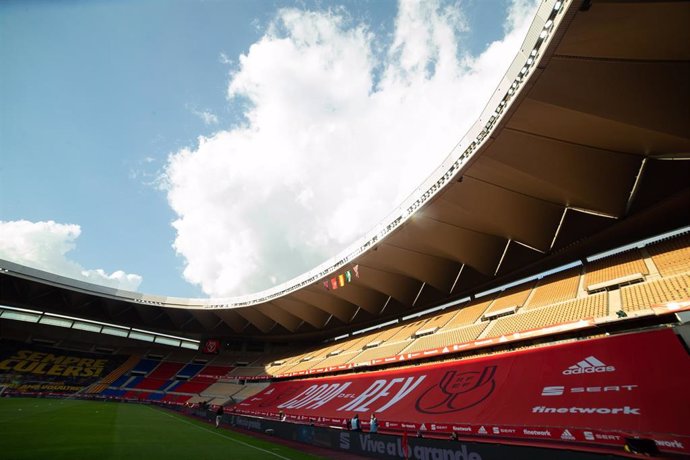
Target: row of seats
<point>641,296</point>
<point>219,393</point>
<point>672,255</point>
<point>614,267</point>
<point>555,299</point>
<point>592,306</point>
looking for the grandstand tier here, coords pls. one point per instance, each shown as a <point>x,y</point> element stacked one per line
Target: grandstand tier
<point>598,391</point>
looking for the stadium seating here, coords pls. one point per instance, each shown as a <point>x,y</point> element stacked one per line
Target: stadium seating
<point>672,255</point>
<point>555,288</point>
<point>441,339</point>
<point>248,371</point>
<point>145,366</point>
<point>114,376</point>
<point>557,298</point>
<point>221,389</point>
<point>160,377</point>
<point>381,351</point>
<point>249,390</point>
<point>189,371</point>
<point>496,393</point>
<point>614,267</point>
<point>642,296</point>
<point>467,315</point>
<point>515,297</point>
<point>593,306</point>
<point>661,271</point>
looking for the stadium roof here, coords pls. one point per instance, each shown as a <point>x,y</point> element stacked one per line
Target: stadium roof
<point>584,146</point>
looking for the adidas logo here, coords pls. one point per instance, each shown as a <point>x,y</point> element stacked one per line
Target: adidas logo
<point>589,365</point>
<point>481,430</point>
<point>567,435</point>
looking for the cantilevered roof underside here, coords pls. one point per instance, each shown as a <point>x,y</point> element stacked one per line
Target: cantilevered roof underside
<point>593,152</point>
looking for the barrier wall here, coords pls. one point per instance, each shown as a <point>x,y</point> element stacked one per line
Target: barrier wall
<point>593,392</point>
<point>387,447</point>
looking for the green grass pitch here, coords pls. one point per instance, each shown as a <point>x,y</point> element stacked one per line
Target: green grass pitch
<point>70,429</point>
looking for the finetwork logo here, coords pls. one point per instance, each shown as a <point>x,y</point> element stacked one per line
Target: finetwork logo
<point>625,410</point>
<point>536,432</point>
<point>674,443</point>
<point>589,365</point>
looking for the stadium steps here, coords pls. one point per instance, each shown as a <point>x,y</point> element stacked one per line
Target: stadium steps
<point>114,375</point>
<point>615,302</point>
<point>651,266</point>
<point>581,291</point>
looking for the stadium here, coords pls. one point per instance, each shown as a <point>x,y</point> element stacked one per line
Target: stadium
<point>530,300</point>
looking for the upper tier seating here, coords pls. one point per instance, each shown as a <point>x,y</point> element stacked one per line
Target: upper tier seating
<point>467,315</point>
<point>642,296</point>
<point>555,288</point>
<point>671,256</point>
<point>145,366</point>
<point>442,339</point>
<point>514,297</point>
<point>592,306</point>
<point>614,267</point>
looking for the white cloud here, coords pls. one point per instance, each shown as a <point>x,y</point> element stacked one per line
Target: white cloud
<point>206,116</point>
<point>224,59</point>
<point>336,135</point>
<point>44,245</point>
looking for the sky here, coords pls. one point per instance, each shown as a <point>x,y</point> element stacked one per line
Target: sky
<point>208,148</point>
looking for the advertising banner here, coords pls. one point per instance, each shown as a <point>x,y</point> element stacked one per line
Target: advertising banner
<point>33,369</point>
<point>387,447</point>
<point>595,391</point>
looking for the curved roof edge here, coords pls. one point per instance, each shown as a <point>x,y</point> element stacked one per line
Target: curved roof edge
<point>542,30</point>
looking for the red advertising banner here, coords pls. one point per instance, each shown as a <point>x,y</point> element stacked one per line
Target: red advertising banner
<point>594,391</point>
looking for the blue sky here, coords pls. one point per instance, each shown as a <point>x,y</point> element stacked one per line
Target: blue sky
<point>197,148</point>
